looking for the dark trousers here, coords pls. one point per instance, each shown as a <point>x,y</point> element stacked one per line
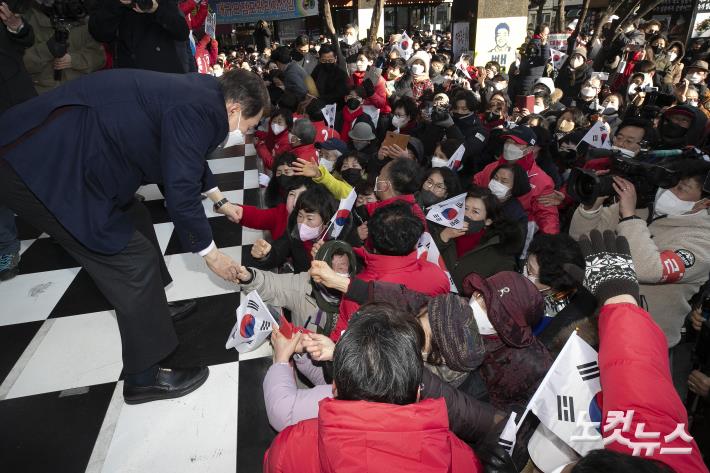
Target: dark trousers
<point>132,280</point>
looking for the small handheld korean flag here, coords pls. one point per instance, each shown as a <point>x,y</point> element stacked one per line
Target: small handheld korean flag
<point>329,114</point>
<point>464,70</point>
<point>341,216</point>
<point>449,212</point>
<point>254,324</point>
<point>566,401</point>
<point>558,58</point>
<point>455,160</point>
<point>373,112</point>
<point>598,135</point>
<point>405,44</point>
<point>427,249</point>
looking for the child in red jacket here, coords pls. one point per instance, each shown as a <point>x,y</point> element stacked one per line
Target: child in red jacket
<point>274,141</point>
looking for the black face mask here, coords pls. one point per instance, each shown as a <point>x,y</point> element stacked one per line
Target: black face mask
<point>297,55</point>
<point>352,176</point>
<point>353,103</point>
<point>285,182</point>
<point>673,131</point>
<point>428,198</point>
<point>328,66</point>
<point>657,49</point>
<point>474,226</point>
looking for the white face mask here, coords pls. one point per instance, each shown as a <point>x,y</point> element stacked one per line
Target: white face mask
<point>327,164</point>
<point>692,103</point>
<point>399,122</point>
<point>672,56</point>
<point>485,327</point>
<point>610,107</point>
<point>218,72</point>
<point>626,152</point>
<point>307,233</point>
<point>361,67</point>
<point>500,86</point>
<point>667,203</point>
<point>417,69</point>
<point>500,190</point>
<point>438,162</point>
<point>511,152</point>
<point>576,62</point>
<point>538,109</point>
<point>633,90</point>
<point>588,92</point>
<point>350,40</point>
<point>694,78</point>
<point>235,137</point>
<point>277,129</point>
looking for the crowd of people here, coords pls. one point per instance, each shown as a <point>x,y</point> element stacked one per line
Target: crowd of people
<point>585,193</point>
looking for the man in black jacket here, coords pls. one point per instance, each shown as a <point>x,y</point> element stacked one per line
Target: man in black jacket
<point>331,80</point>
<point>141,39</point>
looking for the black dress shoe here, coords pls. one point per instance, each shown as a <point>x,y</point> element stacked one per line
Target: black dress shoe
<point>169,384</point>
<point>181,309</point>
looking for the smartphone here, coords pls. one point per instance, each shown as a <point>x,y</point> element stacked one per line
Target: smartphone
<point>525,101</point>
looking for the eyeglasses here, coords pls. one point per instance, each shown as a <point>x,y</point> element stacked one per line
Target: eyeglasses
<point>327,61</point>
<point>429,184</point>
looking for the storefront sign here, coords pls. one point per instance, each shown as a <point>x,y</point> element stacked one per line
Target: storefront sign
<point>251,11</point>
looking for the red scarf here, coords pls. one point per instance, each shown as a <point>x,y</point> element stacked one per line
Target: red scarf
<point>469,242</point>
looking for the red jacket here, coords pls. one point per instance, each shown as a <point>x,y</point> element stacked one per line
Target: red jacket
<point>324,133</point>
<point>379,98</point>
<point>307,152</point>
<point>205,57</point>
<point>194,22</point>
<point>271,145</point>
<point>418,274</point>
<point>546,218</point>
<point>368,437</point>
<point>635,375</point>
<point>349,116</point>
<point>274,219</point>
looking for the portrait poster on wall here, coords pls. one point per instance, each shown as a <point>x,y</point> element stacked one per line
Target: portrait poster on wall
<point>498,38</point>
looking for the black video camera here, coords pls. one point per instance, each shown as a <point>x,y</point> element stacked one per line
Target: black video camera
<point>643,171</point>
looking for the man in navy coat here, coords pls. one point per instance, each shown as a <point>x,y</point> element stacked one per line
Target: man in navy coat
<point>71,161</point>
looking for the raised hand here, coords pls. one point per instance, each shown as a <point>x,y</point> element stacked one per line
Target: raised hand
<point>301,167</point>
<point>609,270</point>
<point>323,274</point>
<point>233,212</point>
<point>10,19</point>
<point>284,347</point>
<point>261,249</point>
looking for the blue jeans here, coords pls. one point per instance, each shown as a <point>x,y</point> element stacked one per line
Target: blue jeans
<point>9,243</point>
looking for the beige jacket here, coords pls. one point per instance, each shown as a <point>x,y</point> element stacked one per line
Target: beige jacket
<point>671,257</point>
<point>86,54</point>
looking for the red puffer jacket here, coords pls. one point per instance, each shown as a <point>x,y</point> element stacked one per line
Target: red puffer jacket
<point>635,375</point>
<point>379,98</point>
<point>419,275</point>
<point>370,437</point>
<point>323,133</point>
<point>270,145</point>
<point>546,218</point>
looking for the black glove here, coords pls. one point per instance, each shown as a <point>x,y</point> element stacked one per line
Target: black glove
<point>57,49</point>
<point>444,120</point>
<point>369,87</point>
<point>609,268</point>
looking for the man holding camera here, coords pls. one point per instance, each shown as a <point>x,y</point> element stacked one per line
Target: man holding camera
<point>63,50</point>
<point>141,33</point>
<point>669,240</point>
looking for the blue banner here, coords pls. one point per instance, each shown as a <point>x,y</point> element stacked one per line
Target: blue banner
<point>251,11</point>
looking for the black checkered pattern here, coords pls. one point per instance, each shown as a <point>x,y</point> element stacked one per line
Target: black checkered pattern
<point>61,404</point>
